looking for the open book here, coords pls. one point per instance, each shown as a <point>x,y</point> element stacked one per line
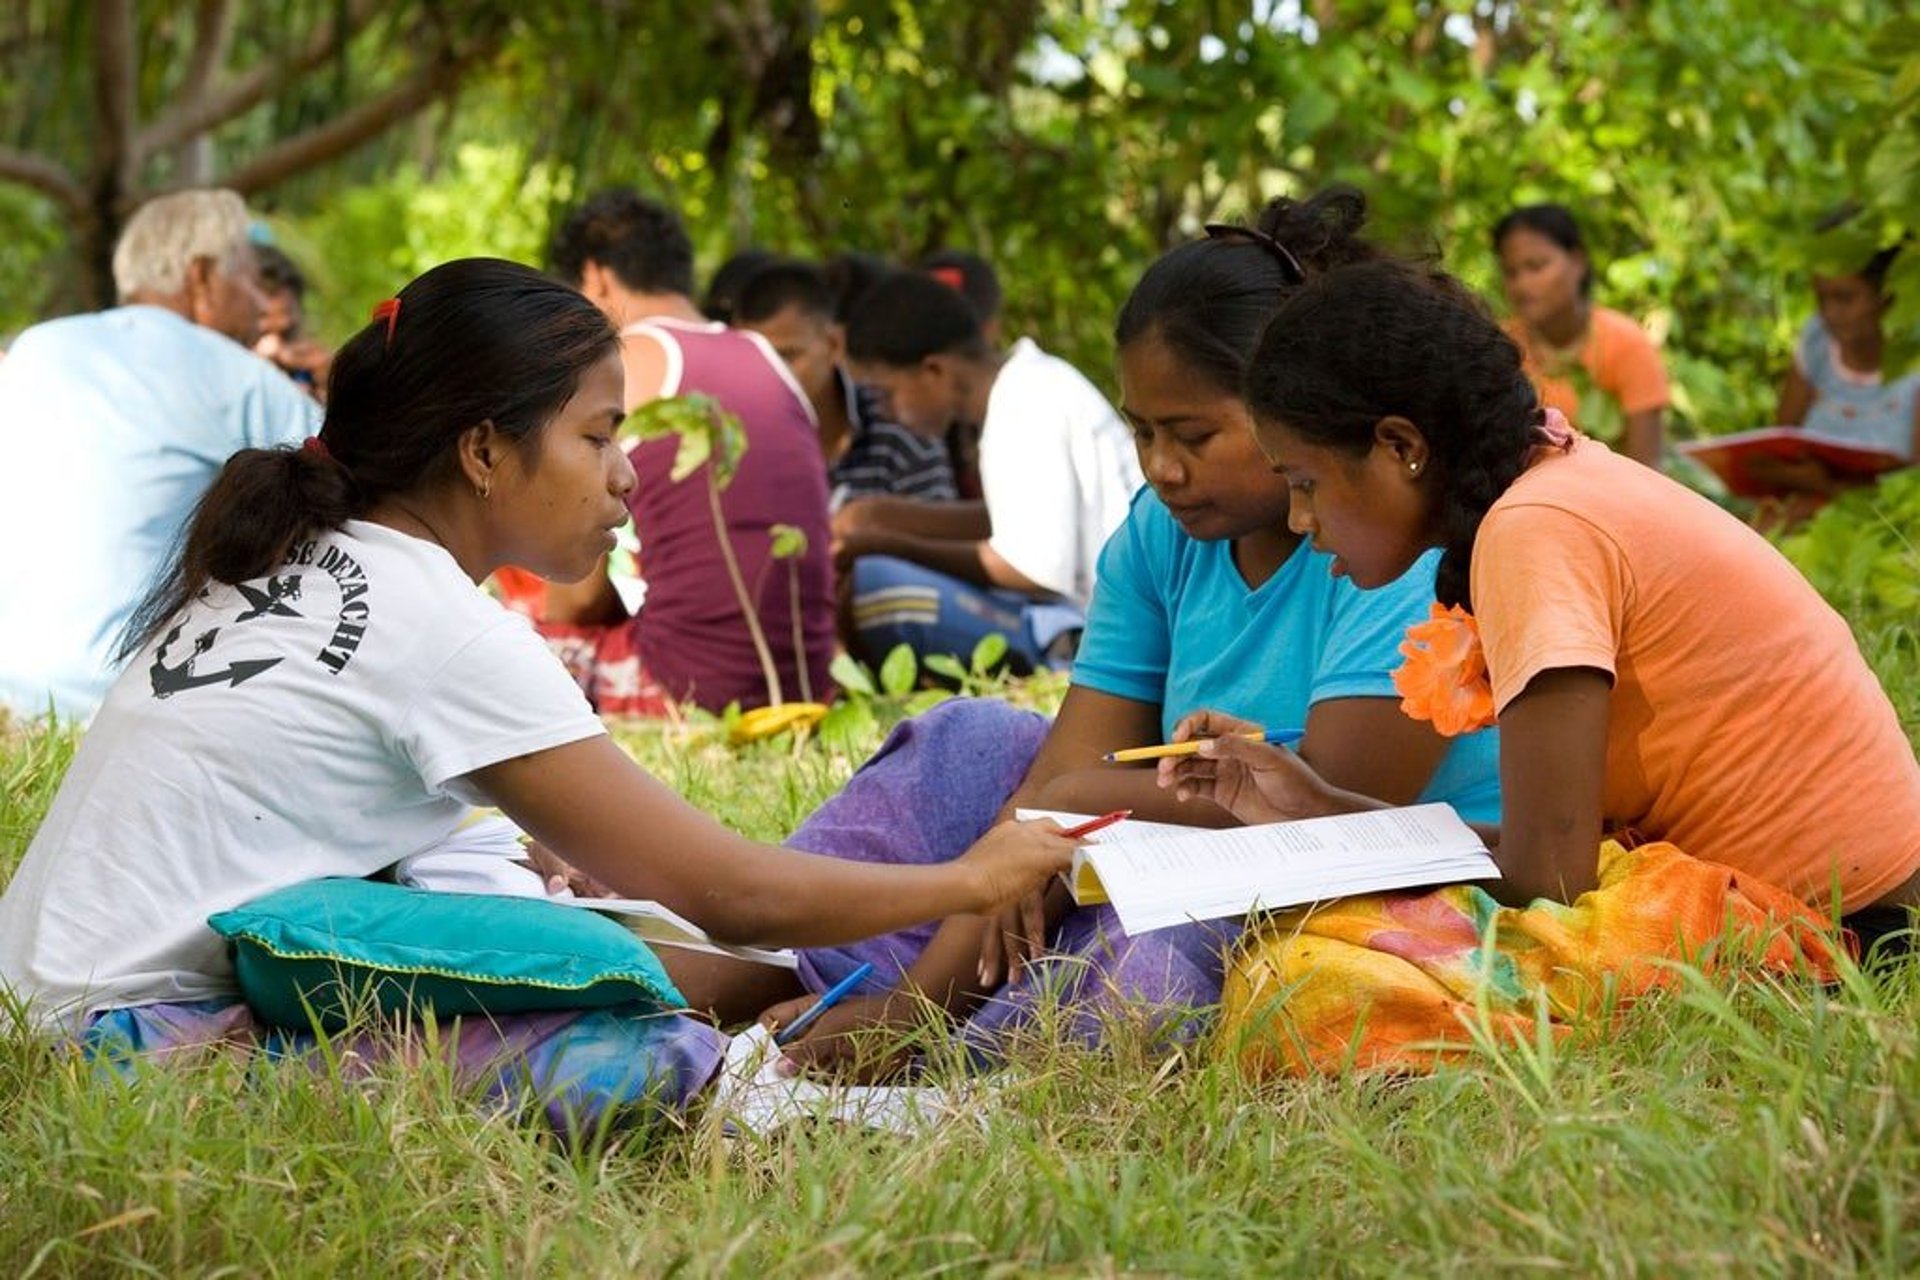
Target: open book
<point>472,866</point>
<point>1730,457</point>
<point>1157,875</point>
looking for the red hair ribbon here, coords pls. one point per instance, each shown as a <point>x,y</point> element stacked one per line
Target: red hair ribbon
<point>388,311</point>
<point>315,447</point>
<point>952,277</point>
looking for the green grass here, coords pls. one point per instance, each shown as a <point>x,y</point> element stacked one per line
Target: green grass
<point>1751,1128</point>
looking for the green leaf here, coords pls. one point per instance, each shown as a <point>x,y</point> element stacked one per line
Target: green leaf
<point>667,416</point>
<point>789,541</point>
<point>695,448</point>
<point>988,654</point>
<point>851,676</point>
<point>897,673</point>
<point>1893,170</point>
<point>927,700</point>
<point>848,724</point>
<point>945,664</point>
<point>707,433</point>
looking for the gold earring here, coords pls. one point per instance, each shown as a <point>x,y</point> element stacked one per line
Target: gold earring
<point>485,490</point>
<point>1413,468</point>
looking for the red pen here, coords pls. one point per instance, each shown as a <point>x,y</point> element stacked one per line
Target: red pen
<point>1092,825</point>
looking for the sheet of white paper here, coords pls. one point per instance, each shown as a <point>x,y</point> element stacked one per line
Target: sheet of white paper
<point>1159,880</point>
<point>756,1098</point>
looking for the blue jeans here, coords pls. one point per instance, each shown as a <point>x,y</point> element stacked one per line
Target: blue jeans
<point>898,602</point>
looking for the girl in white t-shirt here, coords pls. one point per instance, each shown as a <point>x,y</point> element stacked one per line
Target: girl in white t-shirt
<point>317,688</point>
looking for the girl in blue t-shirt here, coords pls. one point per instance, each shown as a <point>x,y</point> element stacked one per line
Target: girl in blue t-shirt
<point>1204,599</point>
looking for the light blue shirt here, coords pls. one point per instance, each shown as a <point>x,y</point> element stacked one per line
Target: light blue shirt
<point>111,426</point>
<point>1855,406</point>
<point>1174,624</point>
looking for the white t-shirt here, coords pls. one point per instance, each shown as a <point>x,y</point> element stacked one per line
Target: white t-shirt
<point>314,722</point>
<point>1057,469</point>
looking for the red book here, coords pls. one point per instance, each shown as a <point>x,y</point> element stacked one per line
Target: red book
<point>1730,456</point>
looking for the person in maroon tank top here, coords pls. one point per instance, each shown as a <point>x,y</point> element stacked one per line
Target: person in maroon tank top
<point>689,642</point>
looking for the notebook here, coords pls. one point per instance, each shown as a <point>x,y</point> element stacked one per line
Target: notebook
<point>1729,456</point>
<point>1157,875</point>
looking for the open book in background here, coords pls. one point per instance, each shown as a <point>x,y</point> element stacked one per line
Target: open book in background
<point>1731,457</point>
<point>1157,875</point>
<point>481,859</point>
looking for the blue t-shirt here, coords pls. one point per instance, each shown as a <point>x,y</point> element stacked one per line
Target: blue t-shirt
<point>1174,624</point>
<point>113,424</point>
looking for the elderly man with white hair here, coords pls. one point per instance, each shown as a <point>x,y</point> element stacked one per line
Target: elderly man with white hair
<point>112,424</point>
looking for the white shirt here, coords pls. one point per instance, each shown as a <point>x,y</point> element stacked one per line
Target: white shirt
<point>314,722</point>
<point>1057,469</point>
<point>112,425</point>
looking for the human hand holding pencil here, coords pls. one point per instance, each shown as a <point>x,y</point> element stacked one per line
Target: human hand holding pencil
<point>1231,765</point>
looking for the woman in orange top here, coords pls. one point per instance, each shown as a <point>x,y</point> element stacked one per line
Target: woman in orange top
<point>1653,662</point>
<point>1593,364</point>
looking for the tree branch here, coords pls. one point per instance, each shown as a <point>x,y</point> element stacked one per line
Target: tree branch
<point>113,84</point>
<point>343,133</point>
<point>197,113</point>
<point>45,176</point>
<point>212,37</point>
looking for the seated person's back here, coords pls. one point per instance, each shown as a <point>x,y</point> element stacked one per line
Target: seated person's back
<point>116,422</point>
<point>692,640</point>
<point>690,631</point>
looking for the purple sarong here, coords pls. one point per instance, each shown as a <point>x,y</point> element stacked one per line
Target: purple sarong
<point>587,1070</point>
<point>932,789</point>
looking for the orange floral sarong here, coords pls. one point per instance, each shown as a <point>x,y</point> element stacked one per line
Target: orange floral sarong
<point>1395,981</point>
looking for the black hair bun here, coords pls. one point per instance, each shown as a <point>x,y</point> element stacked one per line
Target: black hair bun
<point>1324,229</point>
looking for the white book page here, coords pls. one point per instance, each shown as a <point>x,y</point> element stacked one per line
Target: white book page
<point>658,924</point>
<point>1126,828</point>
<point>1159,880</point>
<point>756,1098</point>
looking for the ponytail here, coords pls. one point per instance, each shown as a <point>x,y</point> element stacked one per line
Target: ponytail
<point>262,501</point>
<point>1489,459</point>
<point>1392,339</point>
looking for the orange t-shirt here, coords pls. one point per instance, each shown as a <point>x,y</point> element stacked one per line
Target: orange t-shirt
<point>1618,356</point>
<point>1745,726</point>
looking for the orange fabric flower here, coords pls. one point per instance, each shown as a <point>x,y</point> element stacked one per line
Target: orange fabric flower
<point>1444,679</point>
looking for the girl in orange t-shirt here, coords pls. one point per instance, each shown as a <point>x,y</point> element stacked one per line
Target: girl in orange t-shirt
<point>1653,663</point>
<point>1593,364</point>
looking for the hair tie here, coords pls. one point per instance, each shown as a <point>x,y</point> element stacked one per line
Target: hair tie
<point>315,447</point>
<point>388,311</point>
<point>952,277</point>
<point>1296,273</point>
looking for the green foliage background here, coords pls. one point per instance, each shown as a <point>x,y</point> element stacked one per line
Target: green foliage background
<point>1072,140</point>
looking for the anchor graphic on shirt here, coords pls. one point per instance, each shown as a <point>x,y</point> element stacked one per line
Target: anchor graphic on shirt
<point>168,681</point>
<point>271,601</point>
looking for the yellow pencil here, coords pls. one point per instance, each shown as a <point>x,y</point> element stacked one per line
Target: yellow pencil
<point>1187,748</point>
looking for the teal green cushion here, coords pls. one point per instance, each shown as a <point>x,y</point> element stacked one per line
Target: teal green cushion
<point>328,952</point>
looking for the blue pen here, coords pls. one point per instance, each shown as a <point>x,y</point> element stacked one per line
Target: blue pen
<point>835,994</point>
<point>1274,737</point>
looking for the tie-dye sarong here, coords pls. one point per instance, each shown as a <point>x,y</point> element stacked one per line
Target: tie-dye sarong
<point>1407,981</point>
